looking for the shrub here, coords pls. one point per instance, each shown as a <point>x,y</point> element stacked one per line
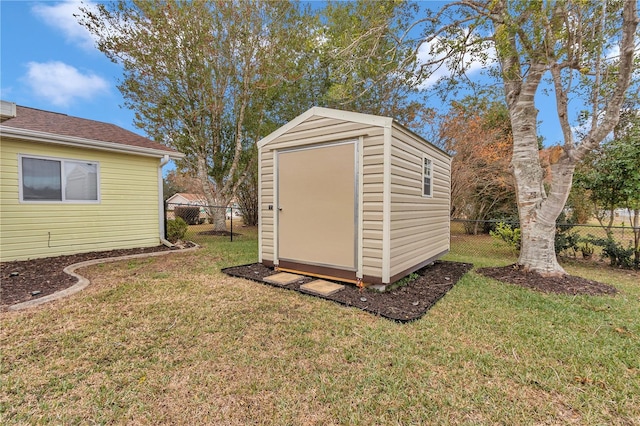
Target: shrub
<point>191,215</point>
<point>176,229</point>
<point>506,233</point>
<point>615,252</point>
<point>586,247</point>
<point>565,239</point>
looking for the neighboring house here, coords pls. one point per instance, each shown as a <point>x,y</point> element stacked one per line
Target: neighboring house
<point>185,199</point>
<point>351,196</point>
<point>72,185</point>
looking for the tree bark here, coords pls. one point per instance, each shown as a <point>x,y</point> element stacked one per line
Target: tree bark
<point>216,203</point>
<point>537,211</point>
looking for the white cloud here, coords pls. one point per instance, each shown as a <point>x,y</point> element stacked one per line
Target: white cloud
<point>60,16</point>
<point>61,84</point>
<point>428,52</point>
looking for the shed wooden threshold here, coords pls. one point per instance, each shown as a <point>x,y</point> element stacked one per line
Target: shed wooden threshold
<point>346,276</point>
<point>311,274</point>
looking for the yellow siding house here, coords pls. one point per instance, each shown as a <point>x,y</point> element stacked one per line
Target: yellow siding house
<point>71,185</point>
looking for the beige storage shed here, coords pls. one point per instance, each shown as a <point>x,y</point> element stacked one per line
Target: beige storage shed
<point>351,196</point>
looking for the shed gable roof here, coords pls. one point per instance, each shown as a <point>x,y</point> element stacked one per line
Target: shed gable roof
<point>356,117</point>
<point>53,127</point>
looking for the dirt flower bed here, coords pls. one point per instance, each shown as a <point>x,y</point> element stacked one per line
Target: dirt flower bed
<point>567,284</point>
<point>31,279</point>
<point>406,303</point>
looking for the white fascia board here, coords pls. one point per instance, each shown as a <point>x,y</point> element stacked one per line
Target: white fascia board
<point>44,137</point>
<point>356,117</point>
<point>281,130</point>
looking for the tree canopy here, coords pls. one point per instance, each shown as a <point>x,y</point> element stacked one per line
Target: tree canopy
<point>198,76</point>
<point>211,78</point>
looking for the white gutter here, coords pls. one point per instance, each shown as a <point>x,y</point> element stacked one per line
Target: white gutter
<point>163,161</point>
<point>44,137</point>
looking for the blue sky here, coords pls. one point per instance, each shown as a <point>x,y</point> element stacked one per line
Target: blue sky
<point>48,61</point>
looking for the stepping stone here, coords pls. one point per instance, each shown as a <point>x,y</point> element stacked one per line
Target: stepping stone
<point>282,278</point>
<point>321,287</point>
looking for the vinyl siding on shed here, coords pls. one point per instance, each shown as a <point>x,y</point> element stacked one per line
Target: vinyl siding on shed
<point>399,229</point>
<point>418,223</point>
<point>125,217</point>
<point>318,130</point>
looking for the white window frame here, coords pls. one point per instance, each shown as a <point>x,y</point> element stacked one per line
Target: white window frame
<point>63,179</point>
<point>424,175</point>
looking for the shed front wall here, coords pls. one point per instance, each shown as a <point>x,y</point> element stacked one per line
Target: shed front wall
<point>125,217</point>
<point>319,130</point>
<point>419,225</point>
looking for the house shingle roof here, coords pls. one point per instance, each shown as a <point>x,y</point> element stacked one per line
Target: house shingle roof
<point>65,125</point>
<point>192,197</point>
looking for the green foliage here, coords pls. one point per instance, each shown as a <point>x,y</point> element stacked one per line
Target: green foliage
<point>360,66</point>
<point>202,76</point>
<point>508,234</point>
<point>176,229</point>
<point>565,238</point>
<point>586,247</point>
<point>616,253</point>
<point>404,281</point>
<point>582,208</point>
<point>610,177</point>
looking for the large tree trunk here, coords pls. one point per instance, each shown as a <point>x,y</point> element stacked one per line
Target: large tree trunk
<point>216,202</point>
<point>219,216</point>
<point>537,211</point>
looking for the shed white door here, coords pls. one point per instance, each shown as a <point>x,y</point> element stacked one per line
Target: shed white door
<point>317,205</point>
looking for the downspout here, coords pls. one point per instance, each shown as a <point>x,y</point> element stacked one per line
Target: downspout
<point>163,162</point>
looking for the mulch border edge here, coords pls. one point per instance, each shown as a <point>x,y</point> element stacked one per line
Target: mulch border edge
<point>83,282</point>
<point>372,312</point>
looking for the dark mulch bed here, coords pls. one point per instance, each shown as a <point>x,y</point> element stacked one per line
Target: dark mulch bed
<point>30,279</point>
<point>568,284</point>
<point>403,304</point>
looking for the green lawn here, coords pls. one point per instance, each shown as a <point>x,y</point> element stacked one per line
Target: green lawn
<point>172,340</point>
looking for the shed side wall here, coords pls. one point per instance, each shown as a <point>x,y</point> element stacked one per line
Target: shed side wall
<point>126,216</point>
<point>419,225</point>
<point>317,130</point>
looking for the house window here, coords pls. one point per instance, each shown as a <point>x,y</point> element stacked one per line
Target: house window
<point>427,178</point>
<point>50,179</point>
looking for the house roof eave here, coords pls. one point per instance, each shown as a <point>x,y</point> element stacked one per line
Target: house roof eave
<point>45,137</point>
